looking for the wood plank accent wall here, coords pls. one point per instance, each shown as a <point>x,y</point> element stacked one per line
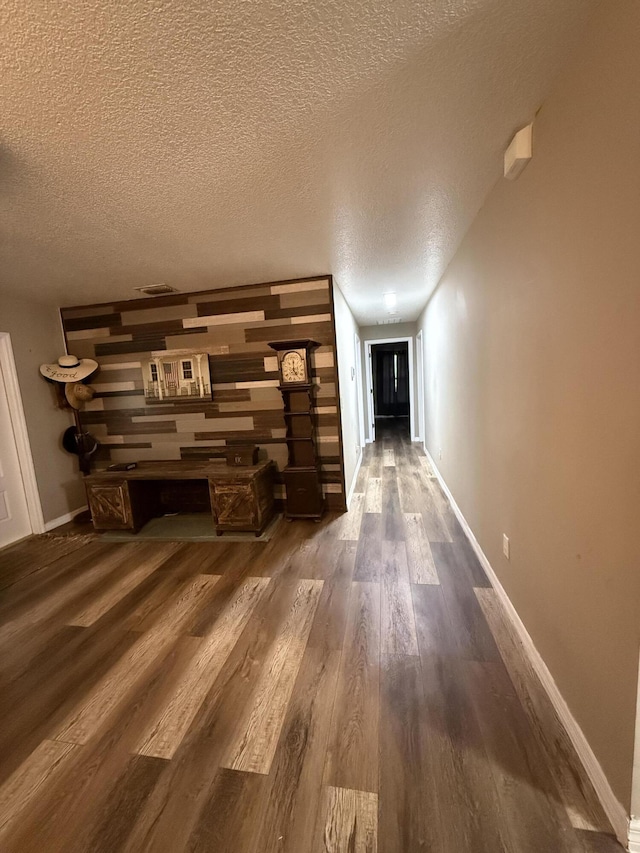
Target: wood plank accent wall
<point>234,326</point>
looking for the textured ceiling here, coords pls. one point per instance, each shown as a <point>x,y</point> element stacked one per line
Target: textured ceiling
<point>207,144</point>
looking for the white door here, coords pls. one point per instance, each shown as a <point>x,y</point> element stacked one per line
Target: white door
<point>14,512</point>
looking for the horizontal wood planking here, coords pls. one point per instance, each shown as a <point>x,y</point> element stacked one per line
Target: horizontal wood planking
<point>238,305</point>
<point>234,326</point>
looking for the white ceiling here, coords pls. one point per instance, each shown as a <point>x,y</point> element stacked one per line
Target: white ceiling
<point>207,144</point>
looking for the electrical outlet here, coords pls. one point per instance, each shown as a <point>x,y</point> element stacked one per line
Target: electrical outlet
<point>505,545</point>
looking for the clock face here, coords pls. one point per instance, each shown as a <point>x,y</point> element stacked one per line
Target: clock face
<point>293,367</point>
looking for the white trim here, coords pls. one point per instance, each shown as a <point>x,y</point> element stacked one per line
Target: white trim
<point>367,346</point>
<point>63,519</point>
<point>420,383</point>
<point>359,390</point>
<point>412,396</point>
<point>634,835</point>
<point>19,423</point>
<point>634,826</point>
<point>355,477</point>
<point>371,429</point>
<point>613,808</point>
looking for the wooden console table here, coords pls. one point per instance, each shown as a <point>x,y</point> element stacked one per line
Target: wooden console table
<point>240,498</point>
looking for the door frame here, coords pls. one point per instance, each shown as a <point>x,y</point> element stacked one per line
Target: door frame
<point>420,385</point>
<point>19,425</point>
<point>359,391</point>
<point>370,407</point>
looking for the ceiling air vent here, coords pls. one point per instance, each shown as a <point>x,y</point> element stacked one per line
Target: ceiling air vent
<point>156,289</point>
<point>389,321</point>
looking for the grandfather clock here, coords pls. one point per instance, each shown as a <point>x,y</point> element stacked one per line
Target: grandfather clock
<point>302,474</point>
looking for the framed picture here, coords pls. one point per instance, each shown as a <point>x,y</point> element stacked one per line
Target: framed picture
<point>175,376</point>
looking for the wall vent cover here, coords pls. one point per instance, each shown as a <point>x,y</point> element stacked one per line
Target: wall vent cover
<point>156,289</point>
<point>389,321</point>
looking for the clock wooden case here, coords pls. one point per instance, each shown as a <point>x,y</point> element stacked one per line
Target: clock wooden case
<point>304,497</point>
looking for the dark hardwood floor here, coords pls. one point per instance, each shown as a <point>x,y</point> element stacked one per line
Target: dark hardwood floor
<point>347,686</point>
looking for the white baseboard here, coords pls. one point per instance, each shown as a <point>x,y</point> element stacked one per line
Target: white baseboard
<point>634,835</point>
<point>613,808</point>
<point>63,519</point>
<point>355,478</point>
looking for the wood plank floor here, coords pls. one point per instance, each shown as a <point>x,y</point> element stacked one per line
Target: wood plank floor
<point>347,687</point>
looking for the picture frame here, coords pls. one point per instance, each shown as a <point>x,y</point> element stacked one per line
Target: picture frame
<point>176,376</point>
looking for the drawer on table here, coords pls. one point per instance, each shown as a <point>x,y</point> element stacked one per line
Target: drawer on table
<point>110,505</point>
<point>234,504</point>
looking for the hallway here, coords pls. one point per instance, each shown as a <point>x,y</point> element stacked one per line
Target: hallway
<point>348,686</point>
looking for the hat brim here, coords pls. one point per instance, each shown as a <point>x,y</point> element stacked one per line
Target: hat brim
<point>79,443</point>
<point>84,368</point>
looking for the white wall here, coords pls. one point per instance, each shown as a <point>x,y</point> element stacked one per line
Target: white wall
<point>532,344</point>
<point>36,337</point>
<point>346,330</point>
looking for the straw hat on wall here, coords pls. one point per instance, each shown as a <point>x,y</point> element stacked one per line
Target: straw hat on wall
<point>69,368</point>
<point>78,394</point>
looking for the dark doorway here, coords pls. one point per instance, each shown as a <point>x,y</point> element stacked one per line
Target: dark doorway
<point>390,373</point>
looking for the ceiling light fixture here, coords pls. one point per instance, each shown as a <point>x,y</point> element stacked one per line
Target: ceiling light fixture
<point>390,300</point>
